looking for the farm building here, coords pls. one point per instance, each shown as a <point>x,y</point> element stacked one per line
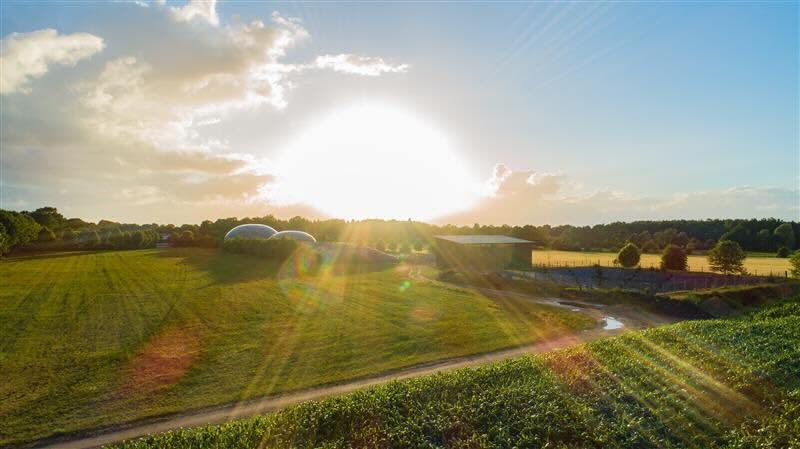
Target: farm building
<point>260,231</point>
<point>299,236</point>
<point>251,231</point>
<point>482,252</point>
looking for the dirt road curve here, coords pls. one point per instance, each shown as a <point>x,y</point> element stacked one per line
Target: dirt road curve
<point>630,318</point>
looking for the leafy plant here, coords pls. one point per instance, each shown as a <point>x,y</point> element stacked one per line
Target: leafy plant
<point>629,256</point>
<point>727,257</point>
<point>674,258</point>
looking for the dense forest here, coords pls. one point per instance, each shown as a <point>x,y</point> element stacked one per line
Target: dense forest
<point>46,229</point>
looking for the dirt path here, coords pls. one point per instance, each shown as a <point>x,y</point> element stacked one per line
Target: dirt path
<point>630,318</point>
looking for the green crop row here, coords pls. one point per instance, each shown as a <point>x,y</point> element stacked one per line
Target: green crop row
<point>716,383</point>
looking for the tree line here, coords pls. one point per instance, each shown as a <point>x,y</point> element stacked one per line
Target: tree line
<point>46,228</point>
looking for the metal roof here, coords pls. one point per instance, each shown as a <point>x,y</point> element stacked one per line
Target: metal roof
<point>481,239</point>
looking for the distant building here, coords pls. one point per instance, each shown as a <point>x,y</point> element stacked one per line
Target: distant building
<point>264,232</point>
<point>482,253</point>
<point>299,236</point>
<point>251,231</point>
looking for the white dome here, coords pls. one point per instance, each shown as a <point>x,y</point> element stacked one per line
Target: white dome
<point>295,235</point>
<point>251,231</point>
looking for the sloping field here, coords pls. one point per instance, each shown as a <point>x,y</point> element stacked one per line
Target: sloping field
<point>755,264</point>
<point>96,339</point>
<point>702,384</point>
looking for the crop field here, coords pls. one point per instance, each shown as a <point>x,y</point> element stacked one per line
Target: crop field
<point>96,339</point>
<point>731,383</point>
<point>757,264</point>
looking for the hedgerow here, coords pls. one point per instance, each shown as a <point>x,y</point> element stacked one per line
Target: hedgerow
<point>279,249</point>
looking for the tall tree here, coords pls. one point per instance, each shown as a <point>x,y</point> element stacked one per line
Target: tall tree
<point>49,218</point>
<point>674,258</point>
<point>727,257</point>
<point>629,256</point>
<point>784,235</point>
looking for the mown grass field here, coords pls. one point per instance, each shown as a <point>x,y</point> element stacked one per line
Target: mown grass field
<point>757,263</point>
<point>96,339</point>
<point>731,383</point>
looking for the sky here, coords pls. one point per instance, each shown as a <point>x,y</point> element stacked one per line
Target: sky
<point>498,113</point>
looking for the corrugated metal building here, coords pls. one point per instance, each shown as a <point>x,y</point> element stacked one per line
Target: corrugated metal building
<point>482,253</point>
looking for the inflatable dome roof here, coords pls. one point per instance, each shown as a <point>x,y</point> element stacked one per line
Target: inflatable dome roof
<point>295,235</point>
<point>251,231</point>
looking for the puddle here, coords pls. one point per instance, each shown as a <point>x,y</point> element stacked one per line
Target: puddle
<point>611,323</point>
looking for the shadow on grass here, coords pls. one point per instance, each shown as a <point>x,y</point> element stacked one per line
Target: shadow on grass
<point>224,267</point>
<point>33,255</point>
<point>230,268</point>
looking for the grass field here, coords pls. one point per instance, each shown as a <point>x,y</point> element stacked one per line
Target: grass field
<point>731,383</point>
<point>757,263</point>
<point>95,339</point>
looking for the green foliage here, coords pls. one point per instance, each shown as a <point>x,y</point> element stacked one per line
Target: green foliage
<point>739,234</point>
<point>783,252</point>
<point>629,256</point>
<point>45,235</point>
<point>405,248</point>
<point>674,258</point>
<point>418,246</point>
<point>752,235</point>
<point>650,247</point>
<point>185,238</point>
<point>90,239</point>
<point>727,257</point>
<point>700,384</point>
<point>278,250</point>
<point>49,218</point>
<point>764,240</point>
<point>18,230</point>
<point>795,262</point>
<point>69,235</point>
<point>784,235</point>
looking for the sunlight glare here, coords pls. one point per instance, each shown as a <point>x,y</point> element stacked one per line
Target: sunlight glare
<point>373,162</point>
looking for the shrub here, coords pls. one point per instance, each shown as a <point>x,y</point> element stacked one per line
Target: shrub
<point>17,230</point>
<point>782,252</point>
<point>674,258</point>
<point>795,263</point>
<point>418,246</point>
<point>185,238</point>
<point>279,249</point>
<point>629,256</point>
<point>69,235</point>
<point>206,241</point>
<point>727,257</point>
<point>90,239</point>
<point>46,235</point>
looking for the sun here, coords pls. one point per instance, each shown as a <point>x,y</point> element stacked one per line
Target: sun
<point>373,161</point>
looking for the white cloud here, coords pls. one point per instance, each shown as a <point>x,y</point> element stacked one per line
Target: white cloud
<point>163,98</point>
<point>25,56</point>
<point>197,9</point>
<point>529,197</point>
<point>144,135</point>
<point>358,65</point>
